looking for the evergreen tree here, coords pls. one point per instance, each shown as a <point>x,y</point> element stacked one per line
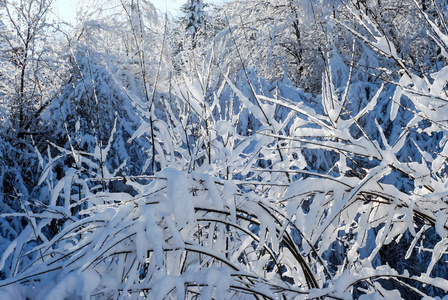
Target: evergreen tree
<point>195,20</point>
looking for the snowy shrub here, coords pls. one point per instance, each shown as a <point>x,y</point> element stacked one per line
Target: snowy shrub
<point>209,173</point>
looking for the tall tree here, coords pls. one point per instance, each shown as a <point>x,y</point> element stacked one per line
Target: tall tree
<point>194,14</point>
<point>27,62</point>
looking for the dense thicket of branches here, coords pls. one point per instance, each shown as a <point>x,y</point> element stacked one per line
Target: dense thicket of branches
<point>263,149</point>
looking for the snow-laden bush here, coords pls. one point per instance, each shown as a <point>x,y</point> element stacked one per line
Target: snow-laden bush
<point>264,191</point>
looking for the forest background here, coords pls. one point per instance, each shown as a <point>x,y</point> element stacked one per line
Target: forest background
<point>264,149</point>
